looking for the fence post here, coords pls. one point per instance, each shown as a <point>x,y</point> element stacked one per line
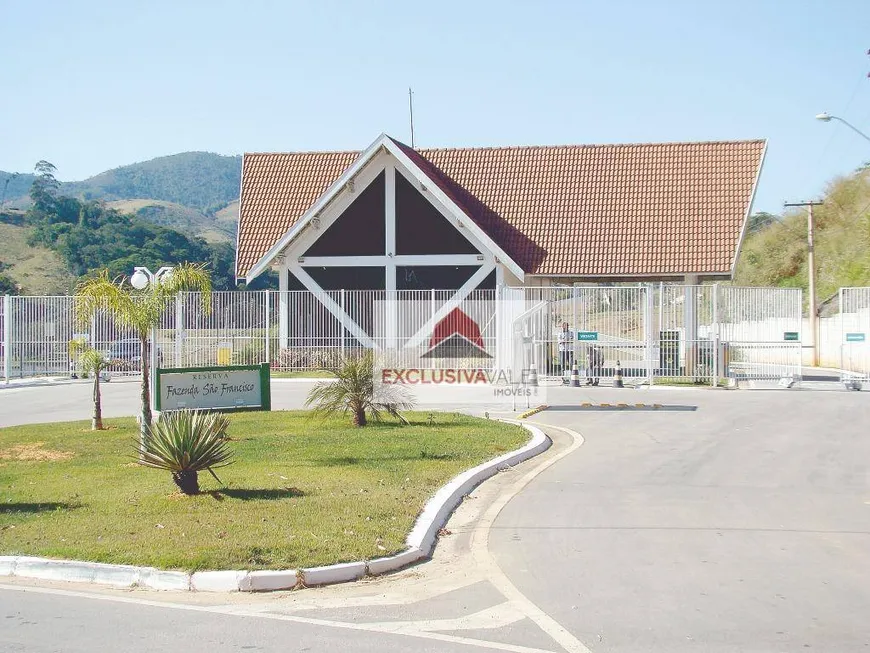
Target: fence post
<point>341,326</point>
<point>842,333</point>
<point>7,337</point>
<point>649,331</point>
<point>715,343</point>
<point>266,298</point>
<point>179,329</point>
<point>575,344</point>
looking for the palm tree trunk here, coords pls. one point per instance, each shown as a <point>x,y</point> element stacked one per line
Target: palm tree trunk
<point>359,417</point>
<point>145,391</point>
<point>97,419</point>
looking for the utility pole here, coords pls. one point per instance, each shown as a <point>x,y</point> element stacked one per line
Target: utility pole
<point>811,265</point>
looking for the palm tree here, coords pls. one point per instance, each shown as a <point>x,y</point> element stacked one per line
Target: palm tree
<point>91,361</point>
<point>354,392</point>
<point>141,310</point>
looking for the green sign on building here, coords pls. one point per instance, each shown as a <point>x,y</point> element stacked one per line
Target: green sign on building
<point>791,336</point>
<point>587,335</point>
<point>854,337</point>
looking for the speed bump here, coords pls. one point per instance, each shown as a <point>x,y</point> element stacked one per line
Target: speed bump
<point>621,406</point>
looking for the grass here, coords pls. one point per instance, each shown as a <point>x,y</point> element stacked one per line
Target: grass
<point>687,382</point>
<point>177,216</point>
<point>303,374</point>
<point>38,270</point>
<point>302,492</point>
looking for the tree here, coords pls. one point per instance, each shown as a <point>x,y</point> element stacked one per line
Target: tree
<point>354,392</point>
<point>45,186</point>
<point>91,361</point>
<point>141,311</point>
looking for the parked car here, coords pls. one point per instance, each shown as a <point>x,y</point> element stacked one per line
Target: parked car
<point>126,354</point>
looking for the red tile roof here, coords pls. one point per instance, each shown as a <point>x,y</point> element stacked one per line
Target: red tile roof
<point>660,209</point>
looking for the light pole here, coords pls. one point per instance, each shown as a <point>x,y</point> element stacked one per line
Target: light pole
<point>826,117</point>
<point>141,278</point>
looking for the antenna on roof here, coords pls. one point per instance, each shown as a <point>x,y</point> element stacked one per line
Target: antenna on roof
<point>411,109</point>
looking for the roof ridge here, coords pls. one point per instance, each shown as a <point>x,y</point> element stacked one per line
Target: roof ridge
<point>304,152</point>
<point>564,146</point>
<point>594,145</point>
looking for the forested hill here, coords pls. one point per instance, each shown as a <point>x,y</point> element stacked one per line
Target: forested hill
<point>200,180</point>
<point>60,238</point>
<point>775,252</point>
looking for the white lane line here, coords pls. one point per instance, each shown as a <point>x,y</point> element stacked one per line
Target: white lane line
<point>498,616</point>
<point>241,611</point>
<point>481,553</point>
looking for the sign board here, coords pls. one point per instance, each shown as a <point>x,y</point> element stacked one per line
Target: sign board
<point>791,336</point>
<point>587,335</point>
<point>854,337</point>
<point>238,387</point>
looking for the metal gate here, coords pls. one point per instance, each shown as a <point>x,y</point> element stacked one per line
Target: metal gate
<point>854,327</point>
<point>662,332</point>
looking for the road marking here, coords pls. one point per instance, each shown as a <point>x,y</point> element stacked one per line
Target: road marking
<point>498,616</point>
<point>241,611</point>
<point>481,553</point>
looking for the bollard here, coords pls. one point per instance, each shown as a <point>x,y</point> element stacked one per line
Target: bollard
<point>617,380</point>
<point>575,376</point>
<point>533,376</point>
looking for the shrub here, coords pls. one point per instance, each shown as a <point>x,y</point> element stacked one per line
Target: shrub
<point>186,442</point>
<point>354,391</point>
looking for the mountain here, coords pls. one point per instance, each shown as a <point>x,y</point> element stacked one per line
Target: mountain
<point>200,180</point>
<point>191,191</point>
<point>776,253</point>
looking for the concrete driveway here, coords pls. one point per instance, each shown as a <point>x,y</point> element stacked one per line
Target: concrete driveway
<point>739,523</point>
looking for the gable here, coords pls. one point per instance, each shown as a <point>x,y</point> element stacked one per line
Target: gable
<point>359,230</point>
<point>420,227</point>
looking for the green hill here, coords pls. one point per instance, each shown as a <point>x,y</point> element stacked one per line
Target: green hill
<point>196,192</point>
<point>199,180</point>
<point>35,270</point>
<point>183,218</point>
<point>776,254</point>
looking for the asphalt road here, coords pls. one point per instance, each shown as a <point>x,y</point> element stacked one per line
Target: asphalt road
<point>722,521</point>
<point>742,525</point>
<point>48,623</point>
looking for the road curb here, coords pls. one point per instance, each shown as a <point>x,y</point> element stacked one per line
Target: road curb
<point>420,542</point>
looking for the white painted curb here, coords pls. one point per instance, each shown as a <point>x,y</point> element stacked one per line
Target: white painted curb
<point>421,540</point>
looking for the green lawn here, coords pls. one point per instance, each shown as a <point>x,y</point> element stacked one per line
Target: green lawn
<point>302,492</point>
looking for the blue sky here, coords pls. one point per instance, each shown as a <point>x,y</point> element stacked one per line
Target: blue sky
<point>94,85</point>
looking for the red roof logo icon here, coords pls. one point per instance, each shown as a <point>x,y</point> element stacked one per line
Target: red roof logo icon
<point>456,336</point>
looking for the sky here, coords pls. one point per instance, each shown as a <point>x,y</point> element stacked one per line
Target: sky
<point>92,85</point>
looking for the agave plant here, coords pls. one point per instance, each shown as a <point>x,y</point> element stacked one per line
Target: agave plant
<point>354,392</point>
<point>186,442</point>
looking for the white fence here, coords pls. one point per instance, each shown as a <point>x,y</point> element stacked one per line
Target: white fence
<point>651,331</point>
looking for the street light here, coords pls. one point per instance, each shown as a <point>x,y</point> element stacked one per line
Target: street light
<point>141,278</point>
<point>826,117</point>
